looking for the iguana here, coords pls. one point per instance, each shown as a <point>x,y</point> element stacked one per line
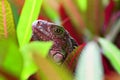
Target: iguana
<point>63,43</point>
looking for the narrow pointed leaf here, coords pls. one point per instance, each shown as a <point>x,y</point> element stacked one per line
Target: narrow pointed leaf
<point>72,59</point>
<point>82,5</point>
<point>111,52</point>
<point>114,29</point>
<point>7,28</point>
<point>15,12</point>
<point>29,13</point>
<point>50,11</point>
<point>74,15</point>
<point>94,16</point>
<point>89,65</point>
<point>34,47</point>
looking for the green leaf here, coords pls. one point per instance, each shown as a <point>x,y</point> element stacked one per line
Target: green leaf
<point>82,5</point>
<point>7,28</point>
<point>2,78</point>
<point>29,13</point>
<point>111,52</point>
<point>12,60</point>
<point>15,12</point>
<point>51,12</point>
<point>89,64</point>
<point>34,47</point>
<point>50,71</point>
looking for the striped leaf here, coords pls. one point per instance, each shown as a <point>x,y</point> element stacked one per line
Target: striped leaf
<point>29,13</point>
<point>7,28</point>
<point>89,65</point>
<point>111,52</point>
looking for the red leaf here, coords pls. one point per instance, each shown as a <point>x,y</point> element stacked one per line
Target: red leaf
<point>71,60</point>
<point>69,26</point>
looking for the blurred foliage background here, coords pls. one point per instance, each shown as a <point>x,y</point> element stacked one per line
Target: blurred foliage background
<point>95,25</point>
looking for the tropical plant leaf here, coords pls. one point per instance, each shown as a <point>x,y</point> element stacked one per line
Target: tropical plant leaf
<point>94,16</point>
<point>111,52</point>
<point>89,64</point>
<point>114,27</point>
<point>72,59</point>
<point>7,28</point>
<point>50,11</point>
<point>50,71</point>
<point>82,5</point>
<point>5,75</point>
<point>29,13</point>
<point>112,76</point>
<point>29,67</point>
<point>75,16</point>
<point>2,78</point>
<point>12,60</point>
<point>15,12</point>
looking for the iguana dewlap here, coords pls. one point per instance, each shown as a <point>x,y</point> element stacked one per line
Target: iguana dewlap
<point>47,31</point>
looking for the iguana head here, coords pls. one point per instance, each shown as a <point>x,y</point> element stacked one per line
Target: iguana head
<point>47,31</point>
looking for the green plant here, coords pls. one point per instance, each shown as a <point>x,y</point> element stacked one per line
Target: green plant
<point>20,58</point>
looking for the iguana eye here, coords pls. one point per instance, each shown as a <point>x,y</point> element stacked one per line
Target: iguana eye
<point>58,30</point>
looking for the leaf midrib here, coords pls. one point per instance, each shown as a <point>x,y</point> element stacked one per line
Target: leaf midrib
<point>4,19</point>
<point>27,30</point>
